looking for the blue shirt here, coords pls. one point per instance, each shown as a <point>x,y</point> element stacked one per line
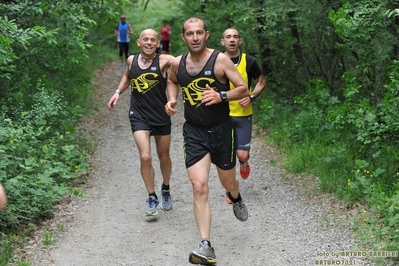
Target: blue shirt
<point>123,32</point>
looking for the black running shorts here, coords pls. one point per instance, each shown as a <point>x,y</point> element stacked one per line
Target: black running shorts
<point>165,46</point>
<point>154,130</point>
<point>217,140</point>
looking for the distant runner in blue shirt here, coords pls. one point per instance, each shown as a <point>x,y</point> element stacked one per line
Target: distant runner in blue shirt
<point>123,30</point>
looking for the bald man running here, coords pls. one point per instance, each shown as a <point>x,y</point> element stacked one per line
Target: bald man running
<point>146,75</point>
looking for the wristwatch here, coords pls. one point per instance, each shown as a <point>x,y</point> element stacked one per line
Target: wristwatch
<point>223,96</point>
<point>252,97</point>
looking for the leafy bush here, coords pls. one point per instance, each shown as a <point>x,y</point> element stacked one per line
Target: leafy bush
<point>38,160</point>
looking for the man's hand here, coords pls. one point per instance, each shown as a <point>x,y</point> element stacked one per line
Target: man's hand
<point>210,96</point>
<point>170,107</point>
<point>244,102</point>
<point>112,102</point>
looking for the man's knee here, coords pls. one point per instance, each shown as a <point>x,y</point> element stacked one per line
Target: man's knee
<point>200,189</point>
<point>145,159</point>
<point>164,157</point>
<point>242,155</point>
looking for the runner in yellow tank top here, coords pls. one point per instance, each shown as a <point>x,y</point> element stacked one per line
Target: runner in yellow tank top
<point>241,110</point>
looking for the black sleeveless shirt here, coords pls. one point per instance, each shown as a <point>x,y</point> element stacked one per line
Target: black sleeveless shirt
<point>148,94</point>
<point>195,112</point>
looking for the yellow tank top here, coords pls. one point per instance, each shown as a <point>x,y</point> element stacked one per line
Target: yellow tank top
<point>235,108</point>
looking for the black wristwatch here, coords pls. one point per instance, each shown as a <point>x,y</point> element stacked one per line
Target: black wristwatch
<point>252,97</point>
<point>223,96</point>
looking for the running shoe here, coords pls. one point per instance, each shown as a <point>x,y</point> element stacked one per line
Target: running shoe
<point>152,206</point>
<point>166,200</point>
<point>204,255</point>
<point>239,208</point>
<point>244,170</point>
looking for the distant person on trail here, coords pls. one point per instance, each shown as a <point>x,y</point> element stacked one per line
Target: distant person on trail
<point>146,74</point>
<point>241,110</point>
<point>203,75</point>
<point>3,198</point>
<point>123,30</point>
<point>165,31</point>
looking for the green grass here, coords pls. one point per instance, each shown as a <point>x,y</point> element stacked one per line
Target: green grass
<point>5,251</point>
<point>302,157</point>
<point>333,169</point>
<point>48,238</point>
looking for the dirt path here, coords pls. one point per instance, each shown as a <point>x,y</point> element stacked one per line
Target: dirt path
<point>107,226</point>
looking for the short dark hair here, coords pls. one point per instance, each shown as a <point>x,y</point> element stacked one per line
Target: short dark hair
<point>223,34</point>
<point>193,19</point>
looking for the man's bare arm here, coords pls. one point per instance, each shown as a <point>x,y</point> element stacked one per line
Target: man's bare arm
<point>165,61</point>
<point>225,70</point>
<point>260,85</point>
<point>123,85</point>
<point>130,29</point>
<point>172,87</point>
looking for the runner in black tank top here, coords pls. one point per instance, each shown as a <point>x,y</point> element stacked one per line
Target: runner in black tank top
<point>203,75</point>
<point>146,74</point>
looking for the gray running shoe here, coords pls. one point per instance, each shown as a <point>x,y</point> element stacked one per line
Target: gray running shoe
<point>166,200</point>
<point>152,207</point>
<point>204,255</point>
<point>239,208</point>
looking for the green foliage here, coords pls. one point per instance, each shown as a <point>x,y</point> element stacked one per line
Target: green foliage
<point>238,14</point>
<point>5,249</point>
<point>46,86</point>
<point>368,41</point>
<point>332,97</point>
<point>331,101</point>
<point>44,42</point>
<point>37,161</point>
<point>382,222</point>
<point>371,127</point>
<point>7,57</point>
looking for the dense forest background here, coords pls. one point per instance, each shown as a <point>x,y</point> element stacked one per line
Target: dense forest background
<point>331,105</point>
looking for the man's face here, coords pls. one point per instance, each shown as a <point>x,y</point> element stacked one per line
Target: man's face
<point>231,40</point>
<point>148,42</point>
<point>123,19</point>
<point>195,36</point>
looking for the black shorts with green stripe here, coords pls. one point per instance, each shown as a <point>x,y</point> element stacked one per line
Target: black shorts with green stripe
<point>217,140</point>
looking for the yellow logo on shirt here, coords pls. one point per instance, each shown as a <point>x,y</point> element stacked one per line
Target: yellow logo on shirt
<point>193,92</point>
<point>144,82</point>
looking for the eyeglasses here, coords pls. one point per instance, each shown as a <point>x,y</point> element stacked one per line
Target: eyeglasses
<point>123,18</point>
